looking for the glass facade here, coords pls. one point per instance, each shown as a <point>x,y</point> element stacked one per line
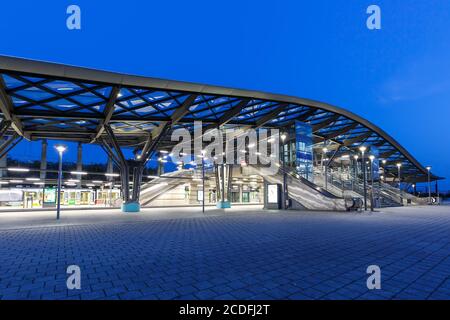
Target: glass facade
<point>304,150</point>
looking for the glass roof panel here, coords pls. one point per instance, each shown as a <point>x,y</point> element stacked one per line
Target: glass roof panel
<point>62,87</point>
<point>35,94</point>
<point>11,82</point>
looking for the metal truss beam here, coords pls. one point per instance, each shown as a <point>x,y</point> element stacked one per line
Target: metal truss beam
<point>6,107</point>
<point>9,144</point>
<point>182,110</point>
<point>341,131</point>
<point>316,127</point>
<point>271,115</point>
<point>349,142</point>
<point>229,115</point>
<point>108,112</point>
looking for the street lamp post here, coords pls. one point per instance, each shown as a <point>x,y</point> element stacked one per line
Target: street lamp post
<point>203,179</point>
<point>371,157</point>
<point>324,154</point>
<point>363,162</point>
<point>355,180</point>
<point>399,166</point>
<point>429,184</point>
<point>285,196</point>
<point>61,149</point>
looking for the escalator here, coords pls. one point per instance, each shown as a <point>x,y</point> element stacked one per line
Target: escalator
<point>305,194</point>
<point>163,184</point>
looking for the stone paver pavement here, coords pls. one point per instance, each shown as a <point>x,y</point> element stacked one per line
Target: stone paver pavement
<point>243,254</point>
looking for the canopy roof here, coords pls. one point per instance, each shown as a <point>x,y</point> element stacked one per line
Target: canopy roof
<point>54,101</point>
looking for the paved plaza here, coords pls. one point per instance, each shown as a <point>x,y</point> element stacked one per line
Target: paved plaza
<point>245,253</point>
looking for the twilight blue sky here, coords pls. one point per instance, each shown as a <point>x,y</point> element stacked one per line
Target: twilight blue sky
<point>397,77</point>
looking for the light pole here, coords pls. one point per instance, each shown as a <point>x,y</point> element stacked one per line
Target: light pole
<point>429,184</point>
<point>283,138</point>
<point>363,162</point>
<point>203,179</point>
<point>384,170</point>
<point>355,180</point>
<point>371,157</point>
<point>61,149</point>
<point>324,154</point>
<point>399,166</point>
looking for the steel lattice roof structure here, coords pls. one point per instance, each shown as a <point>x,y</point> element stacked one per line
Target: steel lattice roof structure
<point>53,101</point>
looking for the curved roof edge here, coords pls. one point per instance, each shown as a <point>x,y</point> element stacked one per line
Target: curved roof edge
<point>51,69</point>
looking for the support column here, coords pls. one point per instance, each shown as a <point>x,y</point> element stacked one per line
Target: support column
<point>109,169</point>
<point>3,162</point>
<point>79,162</point>
<point>224,202</point>
<point>43,167</point>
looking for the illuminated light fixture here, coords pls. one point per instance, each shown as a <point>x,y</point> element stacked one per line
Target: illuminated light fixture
<point>163,161</point>
<point>345,156</point>
<point>152,177</point>
<point>399,165</point>
<point>90,185</point>
<point>355,157</point>
<point>60,148</point>
<point>325,150</point>
<point>78,172</point>
<point>39,183</point>
<point>383,161</point>
<point>73,180</point>
<point>428,168</point>
<point>70,184</point>
<point>119,95</point>
<point>170,154</point>
<point>283,136</point>
<point>271,140</point>
<point>258,153</point>
<point>33,179</point>
<point>251,145</point>
<point>97,181</point>
<point>112,174</point>
<point>372,157</point>
<point>19,169</point>
<point>362,149</point>
<point>16,181</point>
<point>138,156</point>
<point>164,151</point>
<point>4,182</point>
